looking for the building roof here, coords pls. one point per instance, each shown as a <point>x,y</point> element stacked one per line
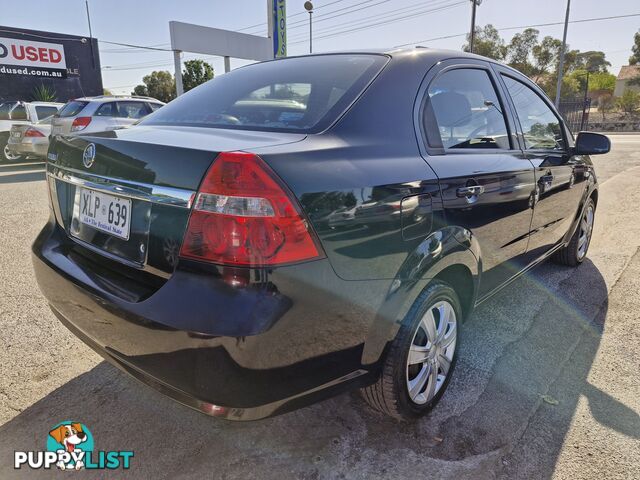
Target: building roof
<point>627,72</point>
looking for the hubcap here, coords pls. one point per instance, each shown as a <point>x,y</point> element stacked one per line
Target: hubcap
<point>586,228</point>
<point>9,155</point>
<point>431,352</point>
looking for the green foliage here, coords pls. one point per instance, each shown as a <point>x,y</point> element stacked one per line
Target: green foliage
<point>196,72</point>
<point>602,82</point>
<point>592,61</point>
<point>635,58</point>
<point>487,42</point>
<point>44,93</point>
<point>160,85</point>
<point>629,102</point>
<point>634,81</point>
<point>546,54</point>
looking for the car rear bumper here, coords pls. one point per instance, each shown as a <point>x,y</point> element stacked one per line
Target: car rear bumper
<point>30,148</point>
<point>296,338</point>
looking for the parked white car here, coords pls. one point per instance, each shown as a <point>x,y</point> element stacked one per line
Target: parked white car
<point>97,114</point>
<point>21,113</point>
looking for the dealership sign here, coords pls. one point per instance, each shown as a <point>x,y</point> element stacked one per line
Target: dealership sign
<point>24,57</point>
<point>279,28</point>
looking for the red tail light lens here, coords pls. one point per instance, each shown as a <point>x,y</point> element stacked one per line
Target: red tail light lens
<point>31,132</point>
<point>243,215</point>
<point>80,123</point>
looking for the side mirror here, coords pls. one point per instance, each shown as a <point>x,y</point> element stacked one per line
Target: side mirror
<point>589,143</point>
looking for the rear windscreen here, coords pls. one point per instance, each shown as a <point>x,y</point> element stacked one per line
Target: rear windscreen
<point>71,109</point>
<point>304,94</point>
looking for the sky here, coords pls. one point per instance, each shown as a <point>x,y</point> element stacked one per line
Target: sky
<point>338,25</point>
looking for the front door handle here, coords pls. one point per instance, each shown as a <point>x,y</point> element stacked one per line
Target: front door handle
<point>470,191</point>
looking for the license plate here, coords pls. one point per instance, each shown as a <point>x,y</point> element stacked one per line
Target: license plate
<point>104,212</point>
<point>16,134</point>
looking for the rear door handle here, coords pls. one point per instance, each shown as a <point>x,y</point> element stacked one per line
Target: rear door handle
<point>470,191</point>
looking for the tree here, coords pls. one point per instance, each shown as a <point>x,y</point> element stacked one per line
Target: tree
<point>602,82</point>
<point>487,42</point>
<point>629,102</point>
<point>160,85</point>
<point>592,61</point>
<point>635,58</point>
<point>605,104</point>
<point>196,72</point>
<point>547,54</point>
<point>106,91</point>
<point>520,48</point>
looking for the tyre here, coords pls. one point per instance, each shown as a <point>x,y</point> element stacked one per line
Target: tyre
<point>422,357</point>
<point>6,155</point>
<point>576,250</point>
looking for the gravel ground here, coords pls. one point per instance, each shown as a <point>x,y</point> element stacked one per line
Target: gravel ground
<point>547,384</point>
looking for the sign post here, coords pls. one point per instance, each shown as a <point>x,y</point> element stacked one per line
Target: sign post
<point>279,32</point>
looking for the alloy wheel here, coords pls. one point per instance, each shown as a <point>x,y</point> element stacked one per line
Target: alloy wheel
<point>586,229</point>
<point>9,155</point>
<point>431,352</point>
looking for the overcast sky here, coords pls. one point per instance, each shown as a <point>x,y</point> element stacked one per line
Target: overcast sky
<point>338,24</point>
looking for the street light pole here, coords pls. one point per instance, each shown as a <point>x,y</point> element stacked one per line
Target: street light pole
<point>472,36</point>
<point>562,52</point>
<point>309,8</point>
<point>93,58</point>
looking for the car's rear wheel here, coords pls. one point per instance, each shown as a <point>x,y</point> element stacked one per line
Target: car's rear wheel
<point>8,156</point>
<point>422,357</point>
<point>576,251</point>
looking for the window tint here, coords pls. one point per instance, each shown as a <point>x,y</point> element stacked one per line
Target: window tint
<point>19,113</point>
<point>107,110</point>
<point>72,109</point>
<point>304,94</point>
<point>5,108</point>
<point>540,126</point>
<point>132,109</point>
<point>467,110</point>
<point>44,112</point>
<point>155,106</point>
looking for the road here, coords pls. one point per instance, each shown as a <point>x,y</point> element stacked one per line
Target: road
<point>547,384</point>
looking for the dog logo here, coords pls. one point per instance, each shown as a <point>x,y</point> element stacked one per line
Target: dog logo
<point>70,436</point>
<point>89,155</point>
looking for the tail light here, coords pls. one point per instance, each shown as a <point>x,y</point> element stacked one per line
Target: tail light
<point>33,133</point>
<point>80,123</point>
<point>245,216</point>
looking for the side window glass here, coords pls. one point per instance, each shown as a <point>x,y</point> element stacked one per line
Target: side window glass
<point>540,126</point>
<point>133,110</point>
<point>467,110</point>
<point>19,113</point>
<point>107,110</point>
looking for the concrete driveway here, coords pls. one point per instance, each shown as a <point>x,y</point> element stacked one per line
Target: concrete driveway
<point>547,384</point>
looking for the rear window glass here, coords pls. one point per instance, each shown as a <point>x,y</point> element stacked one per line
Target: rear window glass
<point>106,110</point>
<point>304,94</point>
<point>44,112</point>
<point>72,108</point>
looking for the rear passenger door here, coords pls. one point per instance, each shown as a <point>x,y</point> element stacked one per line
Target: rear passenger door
<point>486,182</point>
<point>561,179</point>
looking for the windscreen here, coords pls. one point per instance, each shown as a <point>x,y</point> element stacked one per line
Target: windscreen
<point>304,94</point>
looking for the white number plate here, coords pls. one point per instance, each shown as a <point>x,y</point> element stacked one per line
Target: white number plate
<point>104,212</point>
<point>16,134</point>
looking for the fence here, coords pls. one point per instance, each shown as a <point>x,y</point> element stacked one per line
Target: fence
<point>576,113</point>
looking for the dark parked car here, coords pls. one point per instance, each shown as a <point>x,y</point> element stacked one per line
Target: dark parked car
<point>305,226</point>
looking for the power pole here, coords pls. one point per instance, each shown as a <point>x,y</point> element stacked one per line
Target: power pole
<point>474,4</point>
<point>93,58</point>
<point>562,52</point>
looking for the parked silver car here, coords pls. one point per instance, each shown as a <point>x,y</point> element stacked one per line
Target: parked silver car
<point>26,140</point>
<point>21,113</point>
<point>97,114</point>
